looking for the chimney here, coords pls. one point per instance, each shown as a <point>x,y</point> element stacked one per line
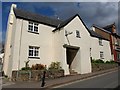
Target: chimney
<point>11,15</point>
<point>12,6</point>
<point>113,28</point>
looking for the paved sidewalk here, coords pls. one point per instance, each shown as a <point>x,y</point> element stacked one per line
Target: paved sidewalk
<point>58,81</point>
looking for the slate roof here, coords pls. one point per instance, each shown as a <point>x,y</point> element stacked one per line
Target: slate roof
<point>36,17</point>
<point>49,21</point>
<point>101,28</point>
<point>65,22</point>
<point>94,34</point>
<point>109,27</point>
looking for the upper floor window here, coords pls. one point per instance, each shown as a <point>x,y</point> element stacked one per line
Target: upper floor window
<point>77,34</point>
<point>100,42</point>
<point>33,27</point>
<point>101,55</point>
<point>33,51</point>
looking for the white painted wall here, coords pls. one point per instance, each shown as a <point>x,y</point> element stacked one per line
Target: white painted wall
<point>18,42</point>
<point>7,62</point>
<point>2,56</point>
<point>96,48</point>
<point>59,50</point>
<point>51,46</point>
<point>83,43</point>
<point>24,39</point>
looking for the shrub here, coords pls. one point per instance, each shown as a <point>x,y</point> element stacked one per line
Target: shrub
<point>38,67</point>
<point>55,65</point>
<point>107,62</point>
<point>111,62</point>
<point>97,61</point>
<point>26,68</point>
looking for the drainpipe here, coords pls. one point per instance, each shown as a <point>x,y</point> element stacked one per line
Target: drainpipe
<point>20,49</point>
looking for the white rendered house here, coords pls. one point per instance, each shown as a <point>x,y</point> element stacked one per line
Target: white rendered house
<point>44,40</point>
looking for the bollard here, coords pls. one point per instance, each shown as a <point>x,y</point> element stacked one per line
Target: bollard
<point>43,79</point>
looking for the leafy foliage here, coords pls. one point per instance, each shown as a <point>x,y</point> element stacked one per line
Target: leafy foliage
<point>55,65</point>
<point>97,61</point>
<point>101,61</point>
<point>38,67</point>
<point>26,68</point>
<point>111,62</point>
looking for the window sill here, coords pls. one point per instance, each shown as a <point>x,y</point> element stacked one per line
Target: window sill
<point>34,57</point>
<point>100,45</point>
<point>33,32</point>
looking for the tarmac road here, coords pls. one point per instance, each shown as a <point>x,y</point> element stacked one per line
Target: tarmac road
<point>109,80</point>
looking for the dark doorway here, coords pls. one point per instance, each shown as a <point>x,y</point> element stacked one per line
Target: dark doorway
<point>71,53</point>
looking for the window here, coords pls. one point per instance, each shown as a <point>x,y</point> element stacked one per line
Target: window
<point>100,42</point>
<point>101,55</point>
<point>77,34</point>
<point>33,27</point>
<point>118,56</point>
<point>33,51</point>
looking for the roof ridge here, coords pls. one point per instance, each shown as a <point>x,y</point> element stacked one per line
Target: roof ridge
<point>65,22</point>
<point>109,25</point>
<point>97,26</point>
<point>37,14</point>
<point>20,13</point>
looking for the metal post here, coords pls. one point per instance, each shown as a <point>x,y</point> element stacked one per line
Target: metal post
<point>43,79</point>
<point>30,75</point>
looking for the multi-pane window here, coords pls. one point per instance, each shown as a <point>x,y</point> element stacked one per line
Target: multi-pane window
<point>33,51</point>
<point>101,55</point>
<point>77,34</point>
<point>100,42</point>
<point>33,27</point>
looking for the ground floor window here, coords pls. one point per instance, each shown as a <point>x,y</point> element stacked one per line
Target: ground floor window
<point>118,55</point>
<point>33,51</point>
<point>101,55</point>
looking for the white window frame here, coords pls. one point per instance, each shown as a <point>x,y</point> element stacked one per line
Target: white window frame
<point>100,42</point>
<point>101,55</point>
<point>34,51</point>
<point>77,33</point>
<point>32,26</point>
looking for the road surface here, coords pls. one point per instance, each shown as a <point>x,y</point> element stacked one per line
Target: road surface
<point>109,80</point>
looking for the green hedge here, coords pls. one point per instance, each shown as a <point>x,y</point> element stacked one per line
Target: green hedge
<point>101,61</point>
<point>97,61</point>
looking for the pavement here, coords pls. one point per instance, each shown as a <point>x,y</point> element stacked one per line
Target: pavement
<point>49,83</point>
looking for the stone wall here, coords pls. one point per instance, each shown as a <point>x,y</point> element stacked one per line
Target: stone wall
<point>102,66</point>
<point>35,75</point>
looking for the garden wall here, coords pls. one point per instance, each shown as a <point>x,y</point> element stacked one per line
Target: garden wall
<point>35,75</point>
<point>102,66</point>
